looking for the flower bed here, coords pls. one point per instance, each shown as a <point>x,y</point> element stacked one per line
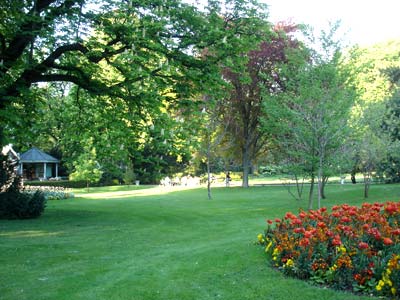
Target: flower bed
<point>351,248</point>
<point>50,192</point>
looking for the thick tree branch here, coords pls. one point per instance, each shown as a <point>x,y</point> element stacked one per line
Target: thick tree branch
<point>31,28</point>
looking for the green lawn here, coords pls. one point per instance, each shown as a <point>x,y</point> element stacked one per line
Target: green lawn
<point>154,243</point>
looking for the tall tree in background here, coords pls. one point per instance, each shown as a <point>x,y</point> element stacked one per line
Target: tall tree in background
<point>243,107</point>
<point>374,115</point>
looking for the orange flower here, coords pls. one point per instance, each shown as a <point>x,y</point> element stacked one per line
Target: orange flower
<point>387,241</point>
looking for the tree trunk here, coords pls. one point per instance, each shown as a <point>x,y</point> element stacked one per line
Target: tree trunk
<point>246,167</point>
<point>208,173</point>
<point>324,182</point>
<point>87,185</point>
<point>367,180</point>
<point>319,185</point>
<point>353,177</point>
<point>310,196</point>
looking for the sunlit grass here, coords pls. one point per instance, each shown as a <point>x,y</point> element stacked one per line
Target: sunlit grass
<point>157,243</point>
<point>125,191</point>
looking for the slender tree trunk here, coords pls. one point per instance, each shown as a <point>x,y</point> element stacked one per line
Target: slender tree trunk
<point>324,182</point>
<point>208,172</point>
<point>367,181</point>
<point>311,194</point>
<point>319,184</point>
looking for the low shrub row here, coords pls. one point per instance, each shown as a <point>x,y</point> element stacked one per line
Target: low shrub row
<point>351,248</point>
<point>67,184</point>
<point>50,192</point>
<point>59,183</point>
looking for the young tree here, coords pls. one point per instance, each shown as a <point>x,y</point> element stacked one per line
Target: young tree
<point>86,167</point>
<point>315,108</point>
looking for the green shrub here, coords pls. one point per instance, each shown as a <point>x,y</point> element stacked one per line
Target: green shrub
<point>16,205</point>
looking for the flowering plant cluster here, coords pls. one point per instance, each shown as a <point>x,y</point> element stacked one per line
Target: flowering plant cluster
<point>351,248</point>
<point>50,192</point>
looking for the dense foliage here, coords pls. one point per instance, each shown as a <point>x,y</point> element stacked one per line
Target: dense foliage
<point>15,204</point>
<point>354,248</point>
<point>122,73</point>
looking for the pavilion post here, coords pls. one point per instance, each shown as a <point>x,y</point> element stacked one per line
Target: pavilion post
<point>45,171</point>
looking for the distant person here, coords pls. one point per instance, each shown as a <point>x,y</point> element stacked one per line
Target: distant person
<point>228,179</point>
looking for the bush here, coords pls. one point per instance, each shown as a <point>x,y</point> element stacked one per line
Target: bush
<point>16,205</point>
<point>70,184</point>
<point>351,248</point>
<point>50,192</point>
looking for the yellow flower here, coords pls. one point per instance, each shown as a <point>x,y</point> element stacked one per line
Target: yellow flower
<point>268,247</point>
<point>289,263</point>
<point>393,290</point>
<point>341,249</point>
<point>333,268</point>
<point>378,288</point>
<point>260,238</point>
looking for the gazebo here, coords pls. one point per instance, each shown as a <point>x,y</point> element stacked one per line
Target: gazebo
<point>36,164</point>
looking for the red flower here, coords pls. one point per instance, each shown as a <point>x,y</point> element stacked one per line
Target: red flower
<point>296,222</point>
<point>277,220</point>
<point>329,233</point>
<point>387,241</point>
<point>299,230</point>
<point>363,245</point>
<point>269,221</point>
<point>391,208</point>
<point>345,219</point>
<point>396,231</point>
<point>336,241</point>
<point>302,215</point>
<point>307,234</point>
<point>289,215</point>
<point>304,242</point>
<point>321,225</point>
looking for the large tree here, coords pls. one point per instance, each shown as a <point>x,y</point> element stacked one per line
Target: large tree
<point>243,107</point>
<point>119,73</point>
<point>138,51</point>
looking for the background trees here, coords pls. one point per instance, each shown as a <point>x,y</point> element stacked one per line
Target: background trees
<point>130,78</point>
<point>122,65</point>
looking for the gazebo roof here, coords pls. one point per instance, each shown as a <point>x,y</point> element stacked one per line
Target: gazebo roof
<point>34,155</point>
